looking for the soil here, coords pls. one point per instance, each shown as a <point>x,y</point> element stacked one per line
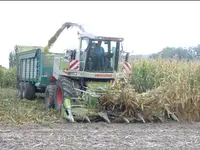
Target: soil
<point>101,136</point>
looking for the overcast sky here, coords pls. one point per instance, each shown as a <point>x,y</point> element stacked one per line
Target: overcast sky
<point>147,27</point>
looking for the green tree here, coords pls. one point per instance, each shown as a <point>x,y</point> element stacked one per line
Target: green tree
<point>12,59</point>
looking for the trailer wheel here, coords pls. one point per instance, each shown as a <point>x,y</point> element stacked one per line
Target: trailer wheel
<point>49,96</point>
<point>20,90</point>
<point>29,91</point>
<point>64,89</point>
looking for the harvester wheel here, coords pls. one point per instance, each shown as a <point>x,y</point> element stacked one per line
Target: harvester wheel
<point>20,90</point>
<point>28,91</point>
<point>64,89</point>
<point>49,96</point>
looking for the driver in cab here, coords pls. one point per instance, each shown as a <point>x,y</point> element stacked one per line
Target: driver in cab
<point>99,56</point>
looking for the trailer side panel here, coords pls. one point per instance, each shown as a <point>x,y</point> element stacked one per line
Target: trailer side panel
<point>28,64</point>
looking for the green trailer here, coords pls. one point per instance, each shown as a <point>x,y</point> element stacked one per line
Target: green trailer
<point>34,70</point>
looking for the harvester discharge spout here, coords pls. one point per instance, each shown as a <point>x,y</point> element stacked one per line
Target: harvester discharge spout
<point>53,39</point>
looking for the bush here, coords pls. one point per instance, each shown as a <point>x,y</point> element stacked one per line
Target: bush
<point>1,76</point>
<point>8,77</point>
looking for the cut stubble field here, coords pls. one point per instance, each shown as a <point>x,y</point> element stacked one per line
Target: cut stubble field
<point>101,136</point>
<point>28,125</point>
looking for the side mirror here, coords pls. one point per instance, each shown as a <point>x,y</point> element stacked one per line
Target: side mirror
<point>126,57</point>
<point>67,53</point>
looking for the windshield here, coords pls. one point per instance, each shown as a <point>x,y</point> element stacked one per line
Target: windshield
<point>100,55</point>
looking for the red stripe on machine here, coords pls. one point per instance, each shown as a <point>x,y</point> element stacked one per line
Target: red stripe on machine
<point>74,64</point>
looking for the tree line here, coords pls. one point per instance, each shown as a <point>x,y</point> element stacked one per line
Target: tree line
<point>190,53</point>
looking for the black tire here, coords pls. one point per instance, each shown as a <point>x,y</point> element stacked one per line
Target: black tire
<point>29,91</point>
<point>49,96</point>
<point>64,89</point>
<point>20,90</point>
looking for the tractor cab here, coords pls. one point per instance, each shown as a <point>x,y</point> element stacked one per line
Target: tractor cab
<point>99,54</point>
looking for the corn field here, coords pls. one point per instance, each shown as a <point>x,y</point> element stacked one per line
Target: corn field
<point>159,90</point>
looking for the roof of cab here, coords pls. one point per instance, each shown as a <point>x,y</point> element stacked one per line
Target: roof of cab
<point>91,36</point>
